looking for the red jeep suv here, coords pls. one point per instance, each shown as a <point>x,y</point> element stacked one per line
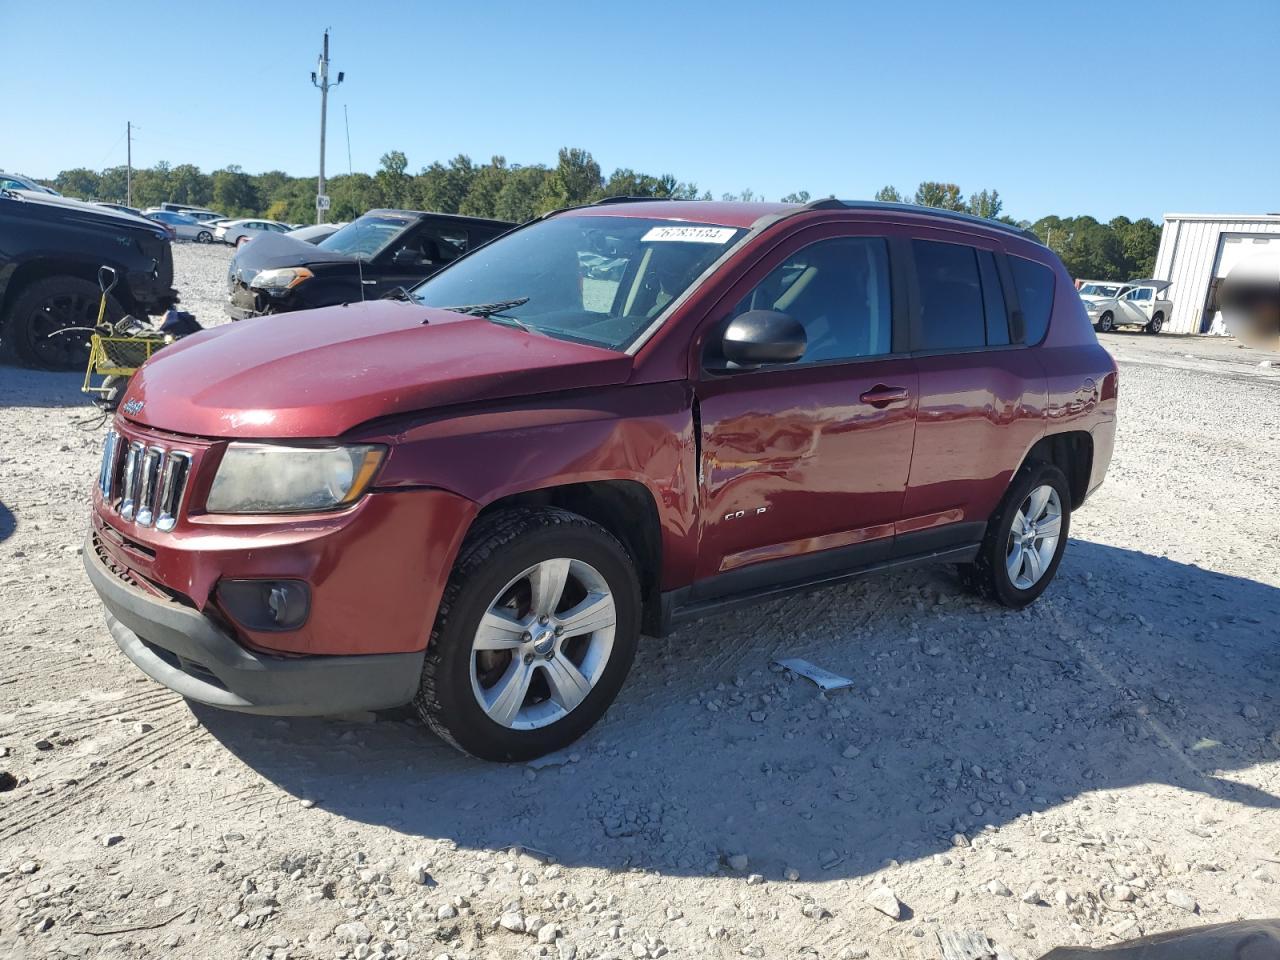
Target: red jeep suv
<point>612,419</point>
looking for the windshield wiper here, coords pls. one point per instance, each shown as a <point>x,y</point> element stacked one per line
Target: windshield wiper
<point>494,311</point>
<point>488,310</point>
<point>400,293</point>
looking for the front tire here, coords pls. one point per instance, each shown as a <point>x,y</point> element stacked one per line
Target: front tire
<point>51,305</point>
<point>204,236</point>
<point>535,634</point>
<point>1106,323</point>
<point>1025,538</point>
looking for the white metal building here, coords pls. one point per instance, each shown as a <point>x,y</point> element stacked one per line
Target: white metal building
<point>1197,250</point>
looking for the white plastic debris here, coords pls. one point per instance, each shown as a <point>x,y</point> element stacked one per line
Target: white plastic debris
<point>823,678</point>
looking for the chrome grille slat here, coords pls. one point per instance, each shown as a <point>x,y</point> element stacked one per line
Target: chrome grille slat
<point>152,463</point>
<point>107,472</point>
<point>129,483</point>
<point>150,480</point>
<point>172,485</point>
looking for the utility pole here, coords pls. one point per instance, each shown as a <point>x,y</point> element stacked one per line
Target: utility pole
<point>128,170</point>
<point>320,79</point>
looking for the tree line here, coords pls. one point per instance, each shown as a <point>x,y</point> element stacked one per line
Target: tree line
<point>1118,249</point>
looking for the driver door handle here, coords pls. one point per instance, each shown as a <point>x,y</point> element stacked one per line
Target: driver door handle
<point>881,396</point>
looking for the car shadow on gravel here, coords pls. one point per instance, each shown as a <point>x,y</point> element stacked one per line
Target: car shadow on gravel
<point>25,387</point>
<point>1133,669</point>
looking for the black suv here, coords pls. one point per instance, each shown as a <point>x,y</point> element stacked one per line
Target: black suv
<point>367,259</point>
<point>50,251</point>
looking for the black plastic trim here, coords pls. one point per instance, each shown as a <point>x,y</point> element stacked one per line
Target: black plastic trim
<point>680,605</point>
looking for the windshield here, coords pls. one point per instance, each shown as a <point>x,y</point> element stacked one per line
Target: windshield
<point>1098,290</point>
<point>366,237</point>
<point>598,280</point>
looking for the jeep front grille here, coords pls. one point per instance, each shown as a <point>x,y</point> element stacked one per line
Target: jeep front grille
<point>143,482</point>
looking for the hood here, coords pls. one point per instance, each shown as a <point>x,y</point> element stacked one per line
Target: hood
<point>1093,298</point>
<point>272,250</point>
<point>319,373</point>
<point>87,213</point>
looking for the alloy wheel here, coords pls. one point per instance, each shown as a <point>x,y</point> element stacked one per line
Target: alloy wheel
<point>543,644</point>
<point>1033,537</point>
<point>58,330</point>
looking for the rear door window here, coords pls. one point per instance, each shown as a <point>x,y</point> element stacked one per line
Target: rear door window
<point>1035,295</point>
<point>951,300</point>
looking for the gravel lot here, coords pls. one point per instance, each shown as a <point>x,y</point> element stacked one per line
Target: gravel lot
<point>1103,765</point>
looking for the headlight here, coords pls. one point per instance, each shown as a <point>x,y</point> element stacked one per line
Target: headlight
<point>280,280</point>
<point>1090,307</point>
<point>265,478</point>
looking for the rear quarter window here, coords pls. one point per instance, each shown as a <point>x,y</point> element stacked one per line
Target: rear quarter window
<point>1035,284</point>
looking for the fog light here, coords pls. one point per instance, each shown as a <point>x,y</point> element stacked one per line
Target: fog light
<point>267,605</point>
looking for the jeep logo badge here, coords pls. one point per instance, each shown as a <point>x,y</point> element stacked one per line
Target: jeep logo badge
<point>133,407</point>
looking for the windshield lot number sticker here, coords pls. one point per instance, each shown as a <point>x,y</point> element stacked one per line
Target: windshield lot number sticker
<point>689,235</point>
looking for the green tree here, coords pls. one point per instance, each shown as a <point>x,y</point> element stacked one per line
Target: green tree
<point>444,188</point>
<point>80,182</point>
<point>233,192</point>
<point>800,196</point>
<point>188,185</point>
<point>486,186</point>
<point>1139,241</point>
<point>945,196</point>
<point>986,204</point>
<point>521,195</point>
<point>393,182</point>
<point>151,186</point>
<point>888,194</point>
<point>112,185</point>
<point>575,179</point>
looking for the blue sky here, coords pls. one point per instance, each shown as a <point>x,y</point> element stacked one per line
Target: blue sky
<point>1100,108</point>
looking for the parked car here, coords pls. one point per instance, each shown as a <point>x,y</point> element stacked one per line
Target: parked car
<point>50,250</point>
<point>372,256</point>
<point>204,216</point>
<point>16,181</point>
<point>236,232</point>
<point>477,497</point>
<point>1134,304</point>
<point>315,232</point>
<point>184,227</point>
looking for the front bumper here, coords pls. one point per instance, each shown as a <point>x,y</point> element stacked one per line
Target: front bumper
<point>187,652</point>
<point>242,302</point>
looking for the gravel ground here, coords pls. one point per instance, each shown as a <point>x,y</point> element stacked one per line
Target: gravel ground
<point>1103,765</point>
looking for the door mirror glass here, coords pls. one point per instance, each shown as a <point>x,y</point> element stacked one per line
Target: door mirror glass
<point>762,336</point>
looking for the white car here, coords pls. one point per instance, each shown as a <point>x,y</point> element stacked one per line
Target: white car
<point>236,232</point>
<point>184,227</point>
<point>1137,303</point>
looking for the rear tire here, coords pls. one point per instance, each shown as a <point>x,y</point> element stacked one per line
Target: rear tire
<point>1040,493</point>
<point>1106,323</point>
<point>470,662</point>
<point>1156,324</point>
<point>52,304</point>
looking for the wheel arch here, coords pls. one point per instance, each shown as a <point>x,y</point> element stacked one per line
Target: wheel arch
<point>626,508</point>
<point>30,271</point>
<point>1071,451</point>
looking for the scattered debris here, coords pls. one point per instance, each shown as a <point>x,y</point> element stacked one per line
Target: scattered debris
<point>823,678</point>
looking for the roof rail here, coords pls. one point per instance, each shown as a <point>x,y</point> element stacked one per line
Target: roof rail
<point>830,203</point>
<point>625,199</point>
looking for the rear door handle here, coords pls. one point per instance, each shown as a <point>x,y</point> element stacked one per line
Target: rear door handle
<point>881,396</point>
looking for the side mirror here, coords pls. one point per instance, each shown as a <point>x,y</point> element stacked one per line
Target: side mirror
<point>763,336</point>
<point>407,258</point>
